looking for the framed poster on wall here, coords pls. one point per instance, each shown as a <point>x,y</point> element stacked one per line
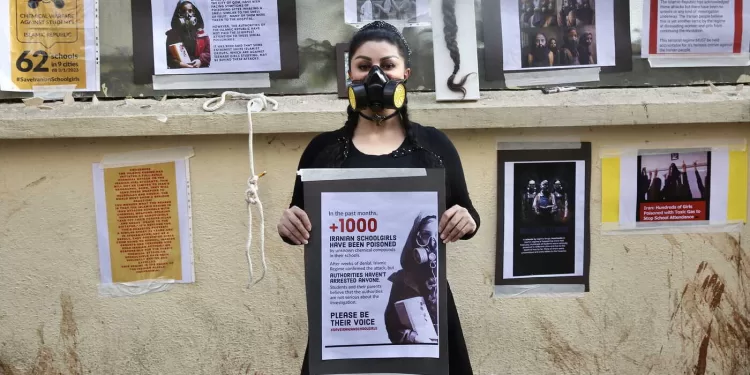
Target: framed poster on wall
<point>543,241</point>
<point>196,37</point>
<point>556,36</point>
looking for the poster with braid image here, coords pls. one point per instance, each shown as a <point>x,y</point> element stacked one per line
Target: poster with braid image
<point>411,12</point>
<point>557,33</point>
<point>674,187</point>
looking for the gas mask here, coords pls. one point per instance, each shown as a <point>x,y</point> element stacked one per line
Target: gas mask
<point>427,246</point>
<point>188,20</point>
<point>377,92</point>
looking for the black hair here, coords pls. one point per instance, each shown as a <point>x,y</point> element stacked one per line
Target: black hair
<point>175,22</point>
<point>379,31</point>
<point>450,29</point>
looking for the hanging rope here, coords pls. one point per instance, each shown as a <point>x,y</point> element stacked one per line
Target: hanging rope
<point>256,103</point>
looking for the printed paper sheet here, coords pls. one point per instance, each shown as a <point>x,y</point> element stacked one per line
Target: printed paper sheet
<point>397,12</point>
<point>215,36</point>
<point>694,27</point>
<point>544,219</point>
<point>49,44</point>
<point>143,222</point>
<point>557,34</point>
<point>379,276</point>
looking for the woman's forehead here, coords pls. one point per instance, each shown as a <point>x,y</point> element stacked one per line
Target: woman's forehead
<point>379,48</point>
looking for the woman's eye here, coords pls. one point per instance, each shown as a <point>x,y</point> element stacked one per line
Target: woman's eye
<point>364,67</point>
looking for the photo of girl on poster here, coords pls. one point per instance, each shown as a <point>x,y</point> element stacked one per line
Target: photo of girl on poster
<point>411,314</point>
<point>188,44</point>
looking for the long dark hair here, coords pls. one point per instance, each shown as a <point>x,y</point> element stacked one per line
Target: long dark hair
<point>175,22</point>
<point>335,154</point>
<point>380,31</point>
<point>450,29</point>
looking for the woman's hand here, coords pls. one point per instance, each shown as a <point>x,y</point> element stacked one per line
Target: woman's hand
<point>456,223</point>
<point>295,225</point>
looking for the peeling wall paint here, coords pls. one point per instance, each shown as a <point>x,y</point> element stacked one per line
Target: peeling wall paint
<point>658,304</point>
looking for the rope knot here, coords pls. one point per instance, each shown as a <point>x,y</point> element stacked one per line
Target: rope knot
<point>251,194</point>
<point>256,103</point>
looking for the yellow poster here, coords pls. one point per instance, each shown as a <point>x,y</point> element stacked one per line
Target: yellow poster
<point>51,43</point>
<point>143,222</point>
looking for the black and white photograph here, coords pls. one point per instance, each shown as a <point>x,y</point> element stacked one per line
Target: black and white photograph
<point>411,316</point>
<point>553,34</point>
<point>410,12</point>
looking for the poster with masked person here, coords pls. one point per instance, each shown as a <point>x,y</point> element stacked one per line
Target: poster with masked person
<point>213,36</point>
<point>543,235</point>
<point>375,271</point>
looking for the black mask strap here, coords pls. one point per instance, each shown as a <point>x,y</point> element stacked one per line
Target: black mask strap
<point>378,119</point>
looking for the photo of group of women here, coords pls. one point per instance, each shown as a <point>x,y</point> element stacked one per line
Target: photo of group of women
<point>557,33</point>
<point>674,186</point>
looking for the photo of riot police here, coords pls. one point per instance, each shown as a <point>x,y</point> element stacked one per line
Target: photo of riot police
<point>411,316</point>
<point>544,196</point>
<point>557,33</point>
<point>387,10</point>
<point>544,218</point>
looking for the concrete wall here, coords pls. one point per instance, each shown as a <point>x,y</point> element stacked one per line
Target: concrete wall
<point>658,304</point>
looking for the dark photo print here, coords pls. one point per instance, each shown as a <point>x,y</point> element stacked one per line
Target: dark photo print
<point>411,316</point>
<point>544,218</point>
<point>386,10</point>
<point>674,186</point>
<point>557,33</point>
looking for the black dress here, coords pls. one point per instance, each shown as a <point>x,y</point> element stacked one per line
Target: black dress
<point>424,147</point>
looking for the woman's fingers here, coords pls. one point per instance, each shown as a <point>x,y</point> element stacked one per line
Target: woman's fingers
<point>451,228</point>
<point>302,215</point>
<point>294,233</point>
<point>445,219</point>
<point>298,226</point>
<point>459,230</point>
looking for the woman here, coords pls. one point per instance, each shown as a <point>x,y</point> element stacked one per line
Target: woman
<point>393,141</point>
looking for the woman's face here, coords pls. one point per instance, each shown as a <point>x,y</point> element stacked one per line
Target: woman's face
<point>380,53</point>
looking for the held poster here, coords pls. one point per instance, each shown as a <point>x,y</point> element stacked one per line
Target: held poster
<point>557,34</point>
<point>215,36</point>
<point>379,264</point>
<point>49,44</point>
<point>543,238</point>
<point>143,222</point>
<point>372,258</point>
<point>694,27</point>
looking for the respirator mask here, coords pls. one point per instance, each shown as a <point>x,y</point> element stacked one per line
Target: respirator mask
<point>377,92</point>
<point>427,246</point>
